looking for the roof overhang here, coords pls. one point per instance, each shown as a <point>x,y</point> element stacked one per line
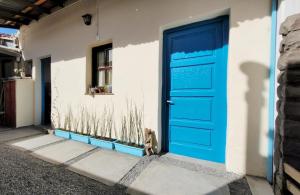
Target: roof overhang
<point>15,13</point>
<point>14,52</point>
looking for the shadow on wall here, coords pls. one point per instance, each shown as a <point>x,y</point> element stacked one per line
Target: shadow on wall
<point>257,74</point>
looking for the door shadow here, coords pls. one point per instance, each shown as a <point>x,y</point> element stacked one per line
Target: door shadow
<point>256,73</point>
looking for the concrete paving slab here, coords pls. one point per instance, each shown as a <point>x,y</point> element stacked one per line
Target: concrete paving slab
<point>13,134</point>
<point>62,152</point>
<point>259,186</point>
<point>161,178</point>
<point>36,142</point>
<point>106,166</point>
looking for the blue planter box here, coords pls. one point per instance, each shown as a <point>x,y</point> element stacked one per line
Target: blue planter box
<point>80,138</point>
<point>61,133</point>
<point>102,143</point>
<point>129,149</point>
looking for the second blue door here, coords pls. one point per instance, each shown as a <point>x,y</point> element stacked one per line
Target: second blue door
<point>195,60</point>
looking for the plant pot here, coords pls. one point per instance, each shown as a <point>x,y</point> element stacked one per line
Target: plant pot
<point>129,149</point>
<point>80,138</point>
<point>102,143</point>
<point>101,89</point>
<point>62,133</point>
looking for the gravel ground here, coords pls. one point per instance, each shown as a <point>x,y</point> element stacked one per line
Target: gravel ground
<point>137,170</point>
<point>20,173</point>
<point>239,187</point>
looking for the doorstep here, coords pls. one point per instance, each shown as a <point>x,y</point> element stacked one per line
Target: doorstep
<point>195,162</point>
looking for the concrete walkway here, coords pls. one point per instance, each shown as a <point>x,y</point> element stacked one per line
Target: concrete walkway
<point>62,152</point>
<point>108,167</point>
<point>167,174</point>
<point>163,178</point>
<point>7,135</point>
<point>34,143</point>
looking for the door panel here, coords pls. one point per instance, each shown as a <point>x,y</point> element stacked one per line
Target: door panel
<point>195,136</point>
<point>191,77</point>
<point>185,108</point>
<point>195,84</point>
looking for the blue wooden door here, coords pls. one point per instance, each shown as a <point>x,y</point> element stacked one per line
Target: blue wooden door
<point>195,62</point>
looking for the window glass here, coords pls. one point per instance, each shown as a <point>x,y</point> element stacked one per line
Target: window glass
<point>102,68</point>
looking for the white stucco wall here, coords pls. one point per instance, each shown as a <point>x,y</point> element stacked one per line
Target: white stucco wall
<point>24,102</point>
<point>135,28</point>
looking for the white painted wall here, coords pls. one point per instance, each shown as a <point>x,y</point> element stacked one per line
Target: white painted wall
<point>135,28</point>
<point>24,102</point>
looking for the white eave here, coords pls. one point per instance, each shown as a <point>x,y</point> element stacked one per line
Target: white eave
<point>10,51</point>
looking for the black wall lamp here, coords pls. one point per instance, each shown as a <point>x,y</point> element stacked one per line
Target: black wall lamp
<point>87,18</point>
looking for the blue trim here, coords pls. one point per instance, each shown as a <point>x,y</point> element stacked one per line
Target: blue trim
<point>272,93</point>
<point>225,60</point>
<point>61,133</point>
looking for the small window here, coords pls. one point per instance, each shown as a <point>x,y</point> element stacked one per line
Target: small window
<point>28,68</point>
<point>102,68</point>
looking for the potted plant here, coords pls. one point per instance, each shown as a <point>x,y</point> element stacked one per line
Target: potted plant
<point>82,136</point>
<point>131,140</point>
<point>103,130</point>
<point>101,89</point>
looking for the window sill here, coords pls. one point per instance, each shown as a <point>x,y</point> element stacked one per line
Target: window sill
<point>92,94</point>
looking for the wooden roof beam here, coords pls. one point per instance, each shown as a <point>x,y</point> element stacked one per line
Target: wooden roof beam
<point>40,9</point>
<point>14,20</point>
<point>10,26</point>
<point>60,3</point>
<point>31,3</point>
